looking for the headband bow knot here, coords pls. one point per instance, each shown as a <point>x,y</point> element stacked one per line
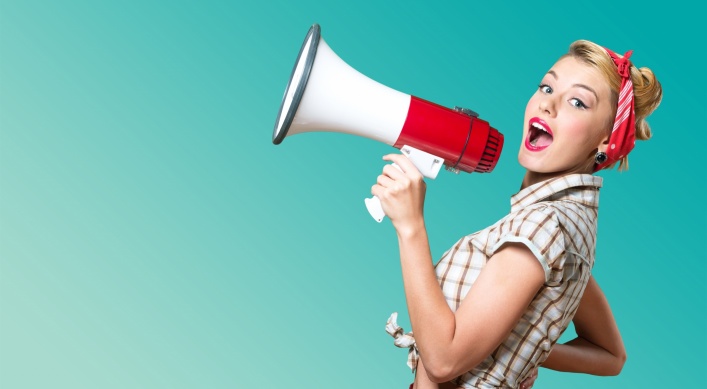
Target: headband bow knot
<point>622,64</point>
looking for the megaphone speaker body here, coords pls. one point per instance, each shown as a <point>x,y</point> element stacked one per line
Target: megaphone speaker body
<point>326,94</point>
<point>340,99</point>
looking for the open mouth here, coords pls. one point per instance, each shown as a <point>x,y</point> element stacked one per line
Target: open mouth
<point>539,135</point>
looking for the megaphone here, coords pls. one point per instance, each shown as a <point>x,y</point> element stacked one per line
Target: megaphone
<point>324,93</point>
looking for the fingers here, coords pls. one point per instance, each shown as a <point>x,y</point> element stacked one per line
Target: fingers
<point>401,175</point>
<point>385,180</point>
<point>384,184</point>
<point>404,163</point>
<point>377,190</point>
<point>401,190</point>
<point>392,179</point>
<point>528,382</point>
<point>393,172</point>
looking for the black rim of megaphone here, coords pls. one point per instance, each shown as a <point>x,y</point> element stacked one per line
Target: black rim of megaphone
<point>315,34</point>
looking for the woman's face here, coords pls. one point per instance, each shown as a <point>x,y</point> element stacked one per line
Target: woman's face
<point>566,120</point>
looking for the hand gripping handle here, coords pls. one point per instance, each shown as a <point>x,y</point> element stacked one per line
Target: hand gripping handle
<point>426,163</point>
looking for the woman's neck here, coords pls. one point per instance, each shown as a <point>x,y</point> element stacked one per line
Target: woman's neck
<point>532,178</point>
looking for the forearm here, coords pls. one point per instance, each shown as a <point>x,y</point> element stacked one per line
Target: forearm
<point>598,348</point>
<point>422,381</point>
<point>582,356</point>
<point>401,191</point>
<point>432,321</point>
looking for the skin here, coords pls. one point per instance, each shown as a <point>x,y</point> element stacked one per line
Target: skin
<point>575,101</point>
<point>451,343</point>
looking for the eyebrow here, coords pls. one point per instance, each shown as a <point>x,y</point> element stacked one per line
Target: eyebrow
<point>552,73</point>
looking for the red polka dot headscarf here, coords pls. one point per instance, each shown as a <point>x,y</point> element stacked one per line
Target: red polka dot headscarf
<point>623,135</point>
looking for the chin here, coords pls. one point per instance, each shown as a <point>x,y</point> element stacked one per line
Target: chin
<point>531,162</point>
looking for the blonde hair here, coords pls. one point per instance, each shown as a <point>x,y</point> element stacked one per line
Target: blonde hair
<point>647,90</point>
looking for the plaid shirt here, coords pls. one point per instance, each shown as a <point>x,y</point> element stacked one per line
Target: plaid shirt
<point>556,219</point>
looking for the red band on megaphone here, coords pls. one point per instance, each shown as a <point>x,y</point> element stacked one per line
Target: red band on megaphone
<point>464,142</point>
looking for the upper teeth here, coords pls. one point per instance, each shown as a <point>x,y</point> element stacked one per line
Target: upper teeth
<point>539,127</point>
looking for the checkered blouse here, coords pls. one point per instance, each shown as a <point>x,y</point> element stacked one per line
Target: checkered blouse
<point>556,219</point>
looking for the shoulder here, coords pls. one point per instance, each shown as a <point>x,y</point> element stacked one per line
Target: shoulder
<point>537,227</point>
<point>540,218</point>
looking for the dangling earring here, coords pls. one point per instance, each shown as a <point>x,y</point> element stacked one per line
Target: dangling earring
<point>600,157</point>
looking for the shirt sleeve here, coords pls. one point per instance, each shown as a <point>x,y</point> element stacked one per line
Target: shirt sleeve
<point>539,229</point>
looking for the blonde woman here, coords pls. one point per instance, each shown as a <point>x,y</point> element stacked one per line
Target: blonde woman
<point>490,312</point>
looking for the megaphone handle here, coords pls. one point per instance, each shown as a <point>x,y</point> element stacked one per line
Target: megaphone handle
<point>375,209</point>
<point>374,205</point>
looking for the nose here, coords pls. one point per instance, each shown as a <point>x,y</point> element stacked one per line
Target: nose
<point>547,105</point>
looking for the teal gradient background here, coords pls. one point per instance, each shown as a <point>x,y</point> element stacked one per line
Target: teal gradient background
<point>152,236</point>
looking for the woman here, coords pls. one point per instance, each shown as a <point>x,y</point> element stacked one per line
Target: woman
<point>489,313</point>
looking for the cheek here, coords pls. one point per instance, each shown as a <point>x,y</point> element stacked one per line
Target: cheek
<point>598,131</point>
<point>591,136</point>
<point>531,103</point>
<point>580,134</point>
<point>530,111</point>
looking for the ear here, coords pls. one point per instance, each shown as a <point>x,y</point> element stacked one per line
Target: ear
<point>604,141</point>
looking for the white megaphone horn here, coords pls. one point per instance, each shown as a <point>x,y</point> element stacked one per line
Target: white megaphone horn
<point>326,94</point>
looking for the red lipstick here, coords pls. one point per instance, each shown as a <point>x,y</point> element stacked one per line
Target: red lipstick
<point>539,135</point>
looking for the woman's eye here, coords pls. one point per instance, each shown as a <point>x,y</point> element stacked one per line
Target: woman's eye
<point>577,103</point>
<point>545,88</point>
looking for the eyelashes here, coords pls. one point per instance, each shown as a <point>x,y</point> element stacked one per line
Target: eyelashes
<point>574,101</point>
<point>547,89</point>
<point>577,103</point>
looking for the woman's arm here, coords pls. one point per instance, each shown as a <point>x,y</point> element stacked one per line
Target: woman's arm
<point>422,380</point>
<point>598,348</point>
<point>451,343</point>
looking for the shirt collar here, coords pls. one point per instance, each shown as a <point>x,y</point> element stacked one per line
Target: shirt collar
<point>578,187</point>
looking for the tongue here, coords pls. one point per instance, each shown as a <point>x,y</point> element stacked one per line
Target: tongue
<point>543,139</point>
